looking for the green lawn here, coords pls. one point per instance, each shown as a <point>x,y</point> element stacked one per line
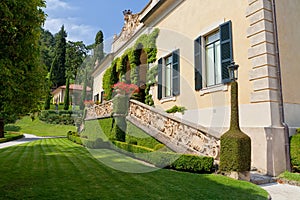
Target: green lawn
<point>39,128</point>
<point>290,176</point>
<point>60,169</point>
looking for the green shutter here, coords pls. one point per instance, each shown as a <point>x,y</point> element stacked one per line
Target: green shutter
<point>226,49</point>
<point>159,89</point>
<point>198,64</point>
<point>176,72</point>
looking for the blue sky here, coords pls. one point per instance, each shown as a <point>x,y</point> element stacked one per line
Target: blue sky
<point>84,18</point>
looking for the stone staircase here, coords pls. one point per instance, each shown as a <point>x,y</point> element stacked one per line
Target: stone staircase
<point>179,135</point>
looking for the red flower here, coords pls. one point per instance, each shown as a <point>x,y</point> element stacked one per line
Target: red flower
<point>125,89</point>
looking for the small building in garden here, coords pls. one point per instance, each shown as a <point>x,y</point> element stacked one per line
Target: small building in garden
<point>177,53</point>
<point>75,92</point>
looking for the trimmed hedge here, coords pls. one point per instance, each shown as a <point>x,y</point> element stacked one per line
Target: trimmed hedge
<point>74,137</point>
<point>13,136</point>
<point>180,162</point>
<point>295,151</point>
<point>235,152</point>
<point>64,117</point>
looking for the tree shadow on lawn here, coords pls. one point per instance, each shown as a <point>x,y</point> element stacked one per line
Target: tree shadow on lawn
<point>58,169</point>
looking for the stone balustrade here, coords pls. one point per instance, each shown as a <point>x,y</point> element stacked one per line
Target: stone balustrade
<point>99,111</point>
<point>184,136</point>
<point>179,135</point>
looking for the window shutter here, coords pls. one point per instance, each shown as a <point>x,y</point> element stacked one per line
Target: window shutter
<point>176,72</point>
<point>198,64</point>
<point>159,89</point>
<point>226,49</point>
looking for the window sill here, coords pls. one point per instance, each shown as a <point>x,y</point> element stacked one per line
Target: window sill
<point>213,89</point>
<point>167,99</point>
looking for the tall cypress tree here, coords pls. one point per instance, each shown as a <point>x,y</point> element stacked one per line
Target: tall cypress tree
<point>99,47</point>
<point>59,70</point>
<point>67,95</point>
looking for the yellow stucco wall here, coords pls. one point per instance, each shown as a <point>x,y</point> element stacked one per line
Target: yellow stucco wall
<point>288,16</point>
<point>180,28</point>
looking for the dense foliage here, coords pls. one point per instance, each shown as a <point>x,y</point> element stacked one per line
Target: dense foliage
<point>176,109</point>
<point>21,74</point>
<point>295,151</point>
<point>118,71</point>
<point>63,117</point>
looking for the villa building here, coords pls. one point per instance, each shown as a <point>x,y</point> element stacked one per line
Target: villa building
<point>75,92</point>
<point>197,41</point>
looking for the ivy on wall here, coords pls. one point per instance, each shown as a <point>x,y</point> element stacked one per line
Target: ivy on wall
<point>146,43</point>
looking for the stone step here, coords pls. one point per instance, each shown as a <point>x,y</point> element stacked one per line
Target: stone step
<point>260,179</point>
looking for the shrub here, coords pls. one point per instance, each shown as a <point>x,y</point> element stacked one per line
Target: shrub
<point>192,163</point>
<point>235,152</point>
<point>176,109</point>
<point>63,117</point>
<point>295,151</point>
<point>188,163</point>
<point>130,148</point>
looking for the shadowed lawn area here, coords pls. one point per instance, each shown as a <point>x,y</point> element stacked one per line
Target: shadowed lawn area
<point>39,128</point>
<point>60,169</point>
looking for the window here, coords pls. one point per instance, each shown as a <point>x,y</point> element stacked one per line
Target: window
<point>96,98</point>
<point>213,54</point>
<point>168,76</point>
<point>213,59</point>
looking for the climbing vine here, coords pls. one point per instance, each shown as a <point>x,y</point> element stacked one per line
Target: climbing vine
<point>118,69</point>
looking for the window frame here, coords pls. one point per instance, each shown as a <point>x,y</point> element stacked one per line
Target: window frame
<point>226,56</point>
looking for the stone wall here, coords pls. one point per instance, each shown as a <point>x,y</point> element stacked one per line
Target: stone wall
<point>99,111</point>
<point>177,134</point>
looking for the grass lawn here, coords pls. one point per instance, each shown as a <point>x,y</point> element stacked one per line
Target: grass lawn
<point>290,176</point>
<point>39,128</point>
<point>60,169</point>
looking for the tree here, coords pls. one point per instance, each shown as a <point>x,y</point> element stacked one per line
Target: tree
<point>21,74</point>
<point>59,69</point>
<point>98,47</point>
<point>47,47</point>
<point>67,95</point>
<point>76,53</point>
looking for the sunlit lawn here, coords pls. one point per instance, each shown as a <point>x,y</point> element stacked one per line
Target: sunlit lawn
<point>39,128</point>
<point>60,169</point>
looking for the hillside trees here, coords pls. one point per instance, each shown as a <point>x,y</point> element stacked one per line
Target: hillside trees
<point>21,74</point>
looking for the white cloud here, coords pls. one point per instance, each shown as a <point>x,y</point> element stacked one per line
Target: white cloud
<point>75,30</point>
<point>57,4</point>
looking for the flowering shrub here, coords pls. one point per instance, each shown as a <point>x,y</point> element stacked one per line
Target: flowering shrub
<point>125,89</point>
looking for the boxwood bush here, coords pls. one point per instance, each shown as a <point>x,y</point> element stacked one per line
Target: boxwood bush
<point>170,160</point>
<point>64,117</point>
<point>295,151</point>
<point>74,137</point>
